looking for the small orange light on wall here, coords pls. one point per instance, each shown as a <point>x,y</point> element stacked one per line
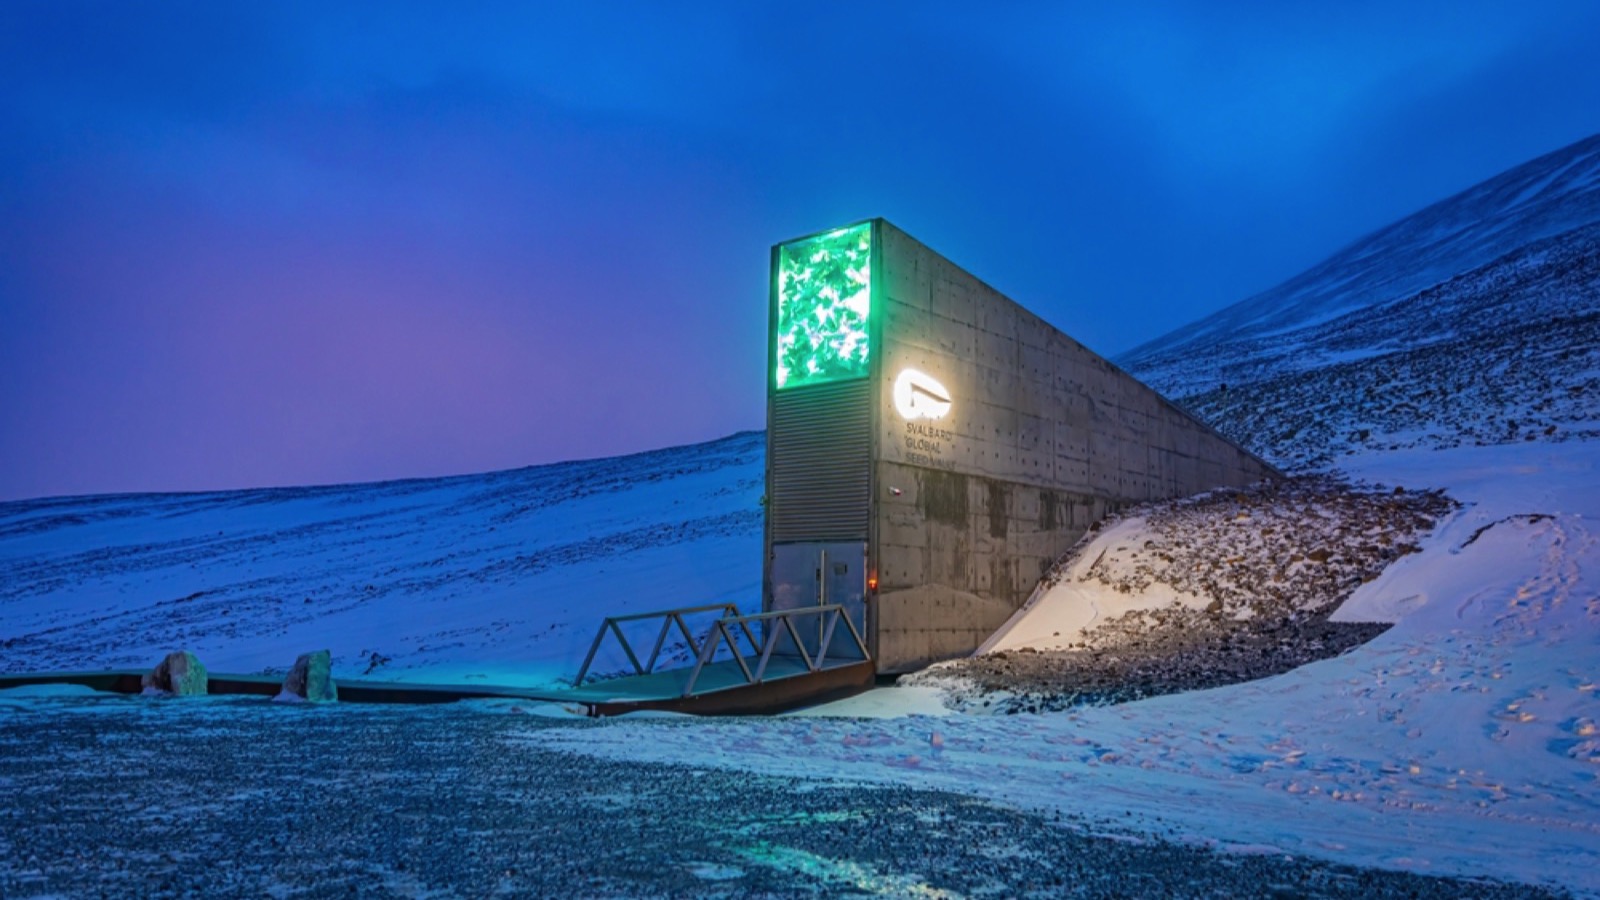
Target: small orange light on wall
<point>872,583</point>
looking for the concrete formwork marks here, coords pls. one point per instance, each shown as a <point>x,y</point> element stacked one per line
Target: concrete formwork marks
<point>997,507</point>
<point>943,497</point>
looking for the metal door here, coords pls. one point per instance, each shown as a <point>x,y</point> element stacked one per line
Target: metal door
<point>816,574</point>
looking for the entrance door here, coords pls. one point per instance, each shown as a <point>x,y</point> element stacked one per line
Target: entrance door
<point>815,574</point>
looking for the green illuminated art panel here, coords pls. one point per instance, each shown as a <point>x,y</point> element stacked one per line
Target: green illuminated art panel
<point>824,298</point>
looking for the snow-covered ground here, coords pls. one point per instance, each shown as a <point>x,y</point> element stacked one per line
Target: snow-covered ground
<point>1464,740</point>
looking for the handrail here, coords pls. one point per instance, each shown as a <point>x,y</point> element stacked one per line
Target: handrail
<point>669,618</point>
<point>679,610</point>
<point>833,613</point>
<point>726,630</point>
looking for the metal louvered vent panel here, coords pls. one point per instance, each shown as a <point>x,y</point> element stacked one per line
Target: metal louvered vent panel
<point>821,448</point>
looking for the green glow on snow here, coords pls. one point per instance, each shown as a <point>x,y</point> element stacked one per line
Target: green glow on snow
<point>824,297</point>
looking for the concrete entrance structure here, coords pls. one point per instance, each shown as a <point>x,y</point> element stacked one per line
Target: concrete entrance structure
<point>933,446</point>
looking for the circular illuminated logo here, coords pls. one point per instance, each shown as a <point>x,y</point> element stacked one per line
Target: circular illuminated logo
<point>918,395</point>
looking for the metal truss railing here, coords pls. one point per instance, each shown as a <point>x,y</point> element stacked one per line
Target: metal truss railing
<point>669,618</point>
<point>725,631</point>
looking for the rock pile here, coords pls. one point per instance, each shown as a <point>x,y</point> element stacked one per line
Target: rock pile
<point>1275,560</point>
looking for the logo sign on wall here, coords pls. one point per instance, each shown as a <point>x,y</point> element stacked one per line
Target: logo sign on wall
<point>918,395</point>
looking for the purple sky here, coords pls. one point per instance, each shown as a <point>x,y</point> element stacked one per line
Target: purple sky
<point>259,244</point>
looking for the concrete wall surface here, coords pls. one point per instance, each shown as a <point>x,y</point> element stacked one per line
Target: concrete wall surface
<point>1042,438</point>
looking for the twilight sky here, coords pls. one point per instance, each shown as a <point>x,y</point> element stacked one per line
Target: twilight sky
<point>249,244</point>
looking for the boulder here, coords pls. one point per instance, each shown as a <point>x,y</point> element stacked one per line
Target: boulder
<point>311,679</point>
<point>181,673</point>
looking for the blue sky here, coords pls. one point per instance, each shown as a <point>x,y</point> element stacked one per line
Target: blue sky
<point>248,244</point>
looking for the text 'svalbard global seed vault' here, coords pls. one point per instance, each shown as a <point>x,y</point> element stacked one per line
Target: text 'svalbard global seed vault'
<point>933,447</point>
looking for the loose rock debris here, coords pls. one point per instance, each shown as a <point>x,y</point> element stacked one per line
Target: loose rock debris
<point>1271,564</point>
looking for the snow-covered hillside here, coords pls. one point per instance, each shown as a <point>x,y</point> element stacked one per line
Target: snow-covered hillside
<point>1553,194</point>
<point>502,577</point>
<point>1386,346</point>
<point>1507,352</point>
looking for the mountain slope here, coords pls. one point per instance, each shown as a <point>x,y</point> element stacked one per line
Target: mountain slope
<point>1507,352</point>
<point>1385,346</point>
<point>503,576</point>
<point>1555,193</point>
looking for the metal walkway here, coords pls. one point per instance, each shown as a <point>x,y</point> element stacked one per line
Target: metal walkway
<point>803,657</point>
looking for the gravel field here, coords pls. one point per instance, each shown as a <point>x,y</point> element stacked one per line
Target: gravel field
<point>1185,652</point>
<point>220,797</point>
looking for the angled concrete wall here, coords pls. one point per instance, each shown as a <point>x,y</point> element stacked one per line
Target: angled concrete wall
<point>1042,439</point>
